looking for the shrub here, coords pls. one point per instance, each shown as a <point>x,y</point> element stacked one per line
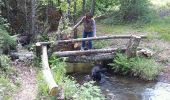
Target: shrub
<point>133,9</point>
<point>144,68</point>
<point>6,41</point>
<point>6,88</point>
<point>4,63</point>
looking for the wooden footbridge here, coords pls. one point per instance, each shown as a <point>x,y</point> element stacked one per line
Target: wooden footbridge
<point>85,55</point>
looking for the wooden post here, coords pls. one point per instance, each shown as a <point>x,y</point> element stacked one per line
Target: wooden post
<point>53,87</point>
<point>132,46</point>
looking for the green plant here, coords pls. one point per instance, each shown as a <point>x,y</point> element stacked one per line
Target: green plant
<point>72,89</point>
<point>6,88</point>
<point>133,9</point>
<point>101,44</point>
<point>144,68</point>
<point>6,41</point>
<point>5,63</point>
<point>87,91</point>
<point>58,67</point>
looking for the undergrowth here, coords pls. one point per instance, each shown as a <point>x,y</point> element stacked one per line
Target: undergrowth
<point>7,87</point>
<point>72,89</point>
<point>144,68</point>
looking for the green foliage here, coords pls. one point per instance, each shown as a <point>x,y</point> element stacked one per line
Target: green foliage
<point>144,68</point>
<point>5,63</point>
<point>101,44</point>
<point>6,88</point>
<point>58,67</point>
<point>133,9</point>
<point>6,41</point>
<point>72,90</point>
<point>87,91</point>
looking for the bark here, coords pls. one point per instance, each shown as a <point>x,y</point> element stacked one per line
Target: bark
<point>74,18</point>
<point>86,52</point>
<point>26,24</point>
<point>132,46</point>
<point>33,11</point>
<point>53,87</point>
<point>91,38</point>
<point>69,8</point>
<point>83,6</point>
<point>90,58</point>
<point>92,10</point>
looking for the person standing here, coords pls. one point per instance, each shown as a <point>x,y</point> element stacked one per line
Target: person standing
<point>89,29</point>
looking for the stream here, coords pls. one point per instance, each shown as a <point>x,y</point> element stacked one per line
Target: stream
<point>124,88</point>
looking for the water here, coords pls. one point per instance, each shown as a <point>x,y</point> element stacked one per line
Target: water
<point>124,88</point>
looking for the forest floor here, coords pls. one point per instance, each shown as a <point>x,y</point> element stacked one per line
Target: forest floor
<point>27,76</point>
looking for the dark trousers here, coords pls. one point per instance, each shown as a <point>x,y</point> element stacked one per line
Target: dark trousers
<point>85,35</point>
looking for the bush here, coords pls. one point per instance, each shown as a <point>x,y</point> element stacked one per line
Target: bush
<point>6,41</point>
<point>6,88</point>
<point>5,63</point>
<point>144,68</point>
<point>131,10</point>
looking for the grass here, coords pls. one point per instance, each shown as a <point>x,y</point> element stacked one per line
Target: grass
<point>159,26</point>
<point>72,89</point>
<point>7,87</point>
<point>145,68</point>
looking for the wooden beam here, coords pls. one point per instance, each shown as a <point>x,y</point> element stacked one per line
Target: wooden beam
<point>90,58</point>
<point>131,50</point>
<point>86,52</point>
<point>53,87</point>
<point>91,38</point>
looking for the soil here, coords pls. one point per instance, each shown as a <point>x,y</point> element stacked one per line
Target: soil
<point>27,75</point>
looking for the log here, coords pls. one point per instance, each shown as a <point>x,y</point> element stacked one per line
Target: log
<point>131,50</point>
<point>53,87</point>
<point>90,58</point>
<point>86,52</point>
<point>86,39</point>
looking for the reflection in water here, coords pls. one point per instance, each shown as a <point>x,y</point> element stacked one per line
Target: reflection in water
<point>160,91</point>
<point>123,88</point>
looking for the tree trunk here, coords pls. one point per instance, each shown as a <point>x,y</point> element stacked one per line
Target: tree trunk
<point>86,52</point>
<point>132,46</point>
<point>92,6</point>
<point>83,6</point>
<point>53,87</point>
<point>74,18</point>
<point>69,8</point>
<point>33,11</point>
<point>90,58</point>
<point>26,23</point>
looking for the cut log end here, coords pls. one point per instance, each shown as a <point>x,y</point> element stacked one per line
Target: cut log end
<point>53,91</point>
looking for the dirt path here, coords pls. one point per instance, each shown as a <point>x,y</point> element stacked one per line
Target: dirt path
<point>27,77</point>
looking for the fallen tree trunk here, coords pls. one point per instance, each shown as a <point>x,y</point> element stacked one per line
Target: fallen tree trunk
<point>86,52</point>
<point>53,87</point>
<point>90,58</point>
<point>91,38</point>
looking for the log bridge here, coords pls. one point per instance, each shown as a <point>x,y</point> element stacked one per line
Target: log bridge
<point>85,55</point>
